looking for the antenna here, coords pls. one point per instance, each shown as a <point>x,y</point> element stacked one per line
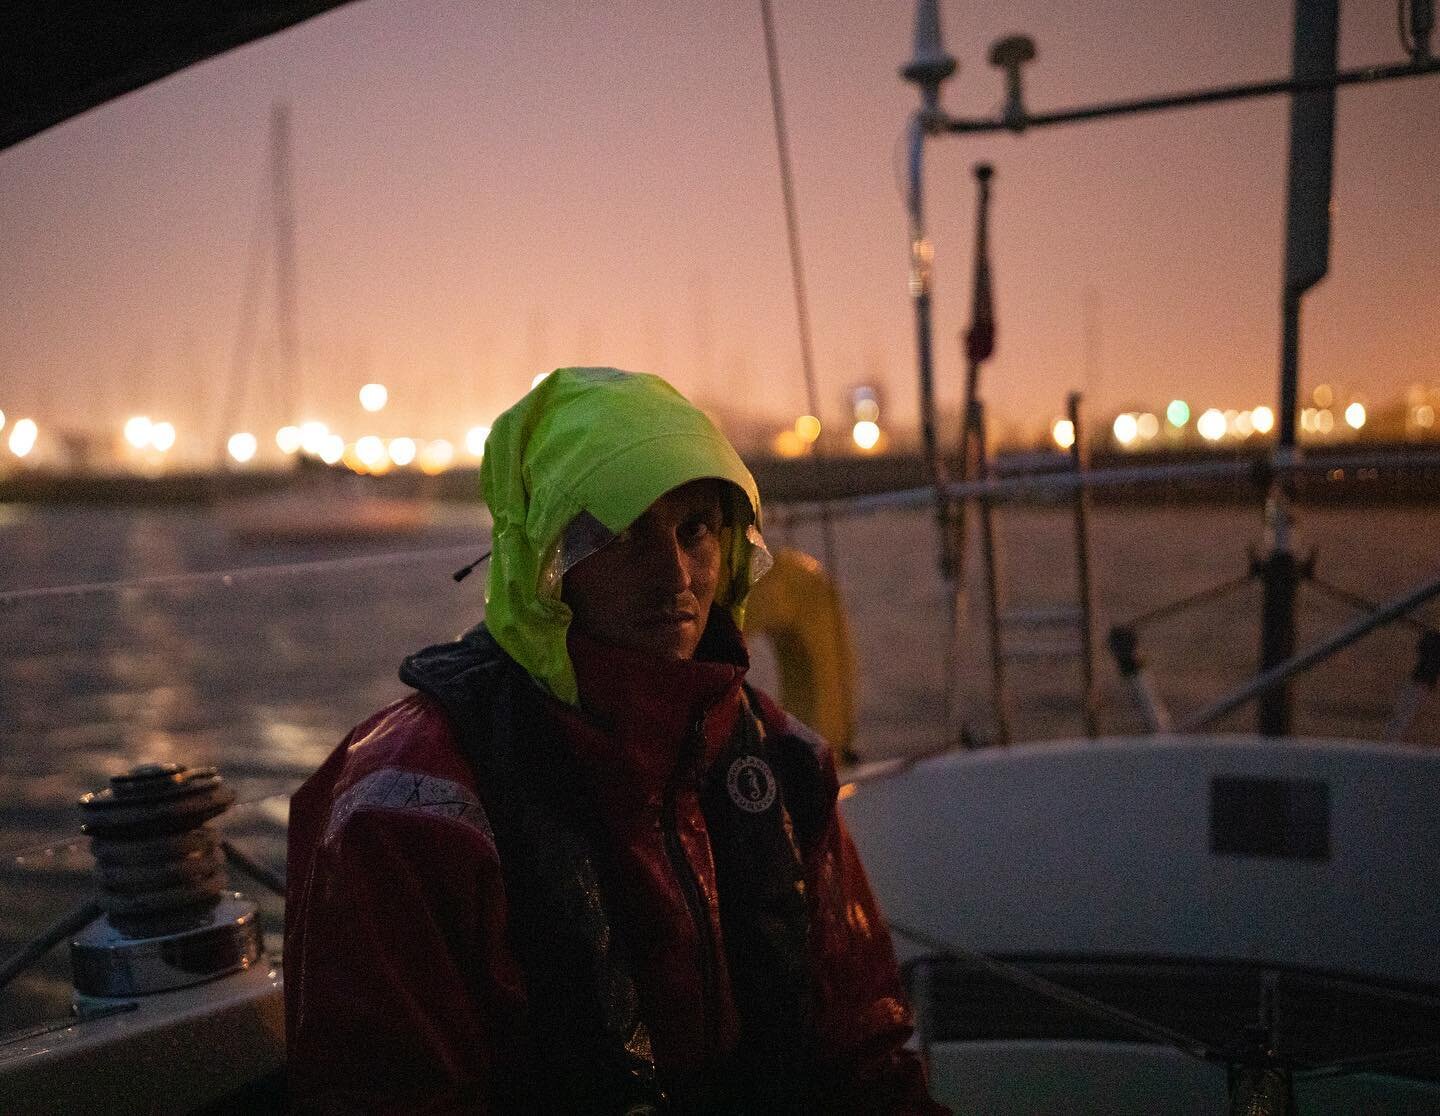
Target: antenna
<point>1416,37</point>
<point>931,64</point>
<point>1011,54</point>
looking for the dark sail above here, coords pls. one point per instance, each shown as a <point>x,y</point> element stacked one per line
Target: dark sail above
<point>61,57</point>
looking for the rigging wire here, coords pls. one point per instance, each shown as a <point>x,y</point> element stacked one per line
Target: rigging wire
<point>797,268</point>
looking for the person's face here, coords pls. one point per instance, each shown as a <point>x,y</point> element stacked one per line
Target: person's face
<point>652,587</point>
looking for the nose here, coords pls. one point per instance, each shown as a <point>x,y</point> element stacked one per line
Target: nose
<point>670,564</point>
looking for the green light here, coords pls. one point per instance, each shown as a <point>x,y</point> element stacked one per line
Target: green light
<point>1178,413</point>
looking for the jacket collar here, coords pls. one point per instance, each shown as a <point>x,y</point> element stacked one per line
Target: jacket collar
<point>646,722</point>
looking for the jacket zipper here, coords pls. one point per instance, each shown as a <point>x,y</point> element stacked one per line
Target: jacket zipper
<point>690,887</point>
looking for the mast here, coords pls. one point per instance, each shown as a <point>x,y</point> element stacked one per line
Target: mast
<point>979,347</point>
<point>930,66</point>
<point>1311,87</point>
<point>275,231</point>
<point>286,315</point>
<point>1307,259</point>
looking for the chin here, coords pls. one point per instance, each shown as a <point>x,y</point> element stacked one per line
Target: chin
<point>675,653</point>
<point>676,647</point>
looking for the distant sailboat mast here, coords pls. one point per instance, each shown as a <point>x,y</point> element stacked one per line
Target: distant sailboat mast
<point>286,300</point>
<point>278,232</point>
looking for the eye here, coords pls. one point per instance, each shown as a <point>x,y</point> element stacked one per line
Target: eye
<point>698,527</point>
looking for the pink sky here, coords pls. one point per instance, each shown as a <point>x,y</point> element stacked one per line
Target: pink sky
<point>485,191</point>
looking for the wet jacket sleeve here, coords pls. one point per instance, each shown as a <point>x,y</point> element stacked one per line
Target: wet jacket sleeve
<point>864,1019</point>
<point>402,984</point>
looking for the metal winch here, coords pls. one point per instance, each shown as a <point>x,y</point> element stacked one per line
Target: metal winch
<point>169,917</point>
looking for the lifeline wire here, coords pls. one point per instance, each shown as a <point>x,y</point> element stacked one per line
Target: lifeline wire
<point>20,854</point>
<point>1096,1009</point>
<point>225,577</point>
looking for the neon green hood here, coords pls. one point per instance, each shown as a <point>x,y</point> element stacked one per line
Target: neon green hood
<point>609,443</point>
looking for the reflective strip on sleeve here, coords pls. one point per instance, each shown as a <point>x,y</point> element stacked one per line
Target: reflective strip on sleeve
<point>393,789</point>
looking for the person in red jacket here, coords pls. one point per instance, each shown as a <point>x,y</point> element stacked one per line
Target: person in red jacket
<point>585,867</point>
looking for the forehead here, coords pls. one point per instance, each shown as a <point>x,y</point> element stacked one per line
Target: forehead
<point>698,497</point>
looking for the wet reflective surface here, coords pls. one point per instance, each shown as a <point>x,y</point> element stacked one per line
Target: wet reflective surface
<point>259,675</point>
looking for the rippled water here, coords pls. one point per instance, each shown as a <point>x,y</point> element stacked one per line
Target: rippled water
<point>262,673</point>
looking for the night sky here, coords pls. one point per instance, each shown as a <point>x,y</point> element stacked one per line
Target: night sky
<point>487,190</point>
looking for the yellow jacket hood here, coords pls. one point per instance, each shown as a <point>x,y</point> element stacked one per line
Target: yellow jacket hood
<point>609,443</point>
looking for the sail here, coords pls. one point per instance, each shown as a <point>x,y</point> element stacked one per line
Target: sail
<point>61,57</point>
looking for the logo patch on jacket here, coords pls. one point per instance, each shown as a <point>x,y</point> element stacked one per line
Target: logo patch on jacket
<point>751,784</point>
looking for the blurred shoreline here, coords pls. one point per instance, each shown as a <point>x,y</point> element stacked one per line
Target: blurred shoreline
<point>1394,473</point>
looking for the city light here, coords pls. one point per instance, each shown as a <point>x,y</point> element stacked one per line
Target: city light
<point>1211,425</point>
<point>1324,395</point>
<point>144,433</point>
<point>373,397</point>
<point>370,450</point>
<point>402,451</point>
<point>137,431</point>
<point>789,444</point>
<point>162,436</point>
<point>150,442</point>
<point>243,446</point>
<point>475,440</point>
<point>312,437</point>
<point>436,457</point>
<point>2,420</point>
<point>23,436</point>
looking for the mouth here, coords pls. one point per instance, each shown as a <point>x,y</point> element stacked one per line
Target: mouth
<point>677,618</point>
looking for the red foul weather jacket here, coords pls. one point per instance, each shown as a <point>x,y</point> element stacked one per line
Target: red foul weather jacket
<point>425,974</point>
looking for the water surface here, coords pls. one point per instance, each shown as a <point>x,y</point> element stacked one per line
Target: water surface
<point>262,672</point>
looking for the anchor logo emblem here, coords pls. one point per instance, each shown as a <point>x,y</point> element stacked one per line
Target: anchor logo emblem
<point>751,784</point>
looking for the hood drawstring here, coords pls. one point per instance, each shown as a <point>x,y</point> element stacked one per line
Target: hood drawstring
<point>465,571</point>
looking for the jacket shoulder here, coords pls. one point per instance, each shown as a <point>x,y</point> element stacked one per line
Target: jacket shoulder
<point>402,760</point>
